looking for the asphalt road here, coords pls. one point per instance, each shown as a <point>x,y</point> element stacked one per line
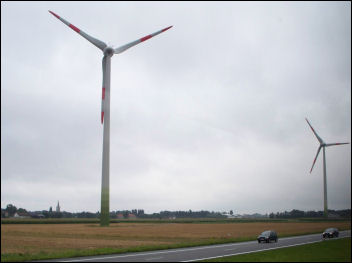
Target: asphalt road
<point>203,252</point>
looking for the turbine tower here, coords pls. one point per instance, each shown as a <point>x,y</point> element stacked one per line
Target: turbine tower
<point>105,107</point>
<point>323,145</point>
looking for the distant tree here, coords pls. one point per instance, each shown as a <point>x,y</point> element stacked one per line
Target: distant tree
<point>140,212</point>
<point>125,213</point>
<point>68,214</point>
<point>11,209</point>
<point>21,210</point>
<point>231,212</point>
<point>311,214</point>
<point>57,215</point>
<point>45,214</point>
<point>50,209</point>
<point>344,213</point>
<point>296,213</point>
<point>83,215</point>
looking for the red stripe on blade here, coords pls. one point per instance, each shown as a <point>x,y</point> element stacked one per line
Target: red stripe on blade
<point>145,38</point>
<point>103,97</point>
<point>74,28</point>
<point>54,14</point>
<point>166,29</point>
<point>102,117</point>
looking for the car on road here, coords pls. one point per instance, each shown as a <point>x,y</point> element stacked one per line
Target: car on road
<point>331,232</point>
<point>267,236</point>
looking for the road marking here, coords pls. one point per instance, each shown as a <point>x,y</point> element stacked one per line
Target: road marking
<point>158,252</point>
<point>153,258</point>
<point>252,251</point>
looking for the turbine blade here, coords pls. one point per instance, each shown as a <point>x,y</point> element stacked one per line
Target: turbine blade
<point>103,90</point>
<point>94,41</point>
<point>316,156</point>
<point>133,43</point>
<point>338,143</point>
<point>316,135</point>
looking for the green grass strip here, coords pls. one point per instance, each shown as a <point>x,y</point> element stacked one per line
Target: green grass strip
<point>338,250</point>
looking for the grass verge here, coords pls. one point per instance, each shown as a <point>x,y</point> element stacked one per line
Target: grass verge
<point>338,250</point>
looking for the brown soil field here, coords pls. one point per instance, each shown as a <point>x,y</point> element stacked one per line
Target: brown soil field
<point>28,238</point>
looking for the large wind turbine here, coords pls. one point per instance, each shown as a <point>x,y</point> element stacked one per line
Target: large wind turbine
<point>105,107</point>
<point>323,145</point>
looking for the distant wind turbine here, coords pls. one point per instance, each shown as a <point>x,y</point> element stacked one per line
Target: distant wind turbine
<point>323,145</point>
<point>105,107</point>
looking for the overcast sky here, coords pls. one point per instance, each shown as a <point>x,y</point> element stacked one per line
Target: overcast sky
<point>209,115</point>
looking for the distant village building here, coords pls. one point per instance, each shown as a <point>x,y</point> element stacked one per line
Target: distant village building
<point>58,207</point>
<point>131,216</point>
<point>37,215</point>
<point>21,215</point>
<point>119,216</point>
<point>227,215</point>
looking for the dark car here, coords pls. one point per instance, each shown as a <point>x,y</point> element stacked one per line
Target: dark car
<point>267,236</point>
<point>331,232</point>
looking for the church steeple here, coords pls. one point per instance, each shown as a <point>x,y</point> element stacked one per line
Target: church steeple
<point>58,207</point>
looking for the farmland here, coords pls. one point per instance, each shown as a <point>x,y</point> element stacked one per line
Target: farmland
<point>52,240</point>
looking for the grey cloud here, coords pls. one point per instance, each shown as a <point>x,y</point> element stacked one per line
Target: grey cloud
<point>201,116</point>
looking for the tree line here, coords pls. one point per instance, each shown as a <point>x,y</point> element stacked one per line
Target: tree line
<point>11,210</point>
<point>346,213</point>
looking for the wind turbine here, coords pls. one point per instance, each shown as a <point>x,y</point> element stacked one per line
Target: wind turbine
<point>323,145</point>
<point>105,106</point>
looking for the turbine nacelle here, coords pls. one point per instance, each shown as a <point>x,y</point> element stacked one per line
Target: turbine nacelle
<point>108,51</point>
<point>322,144</point>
